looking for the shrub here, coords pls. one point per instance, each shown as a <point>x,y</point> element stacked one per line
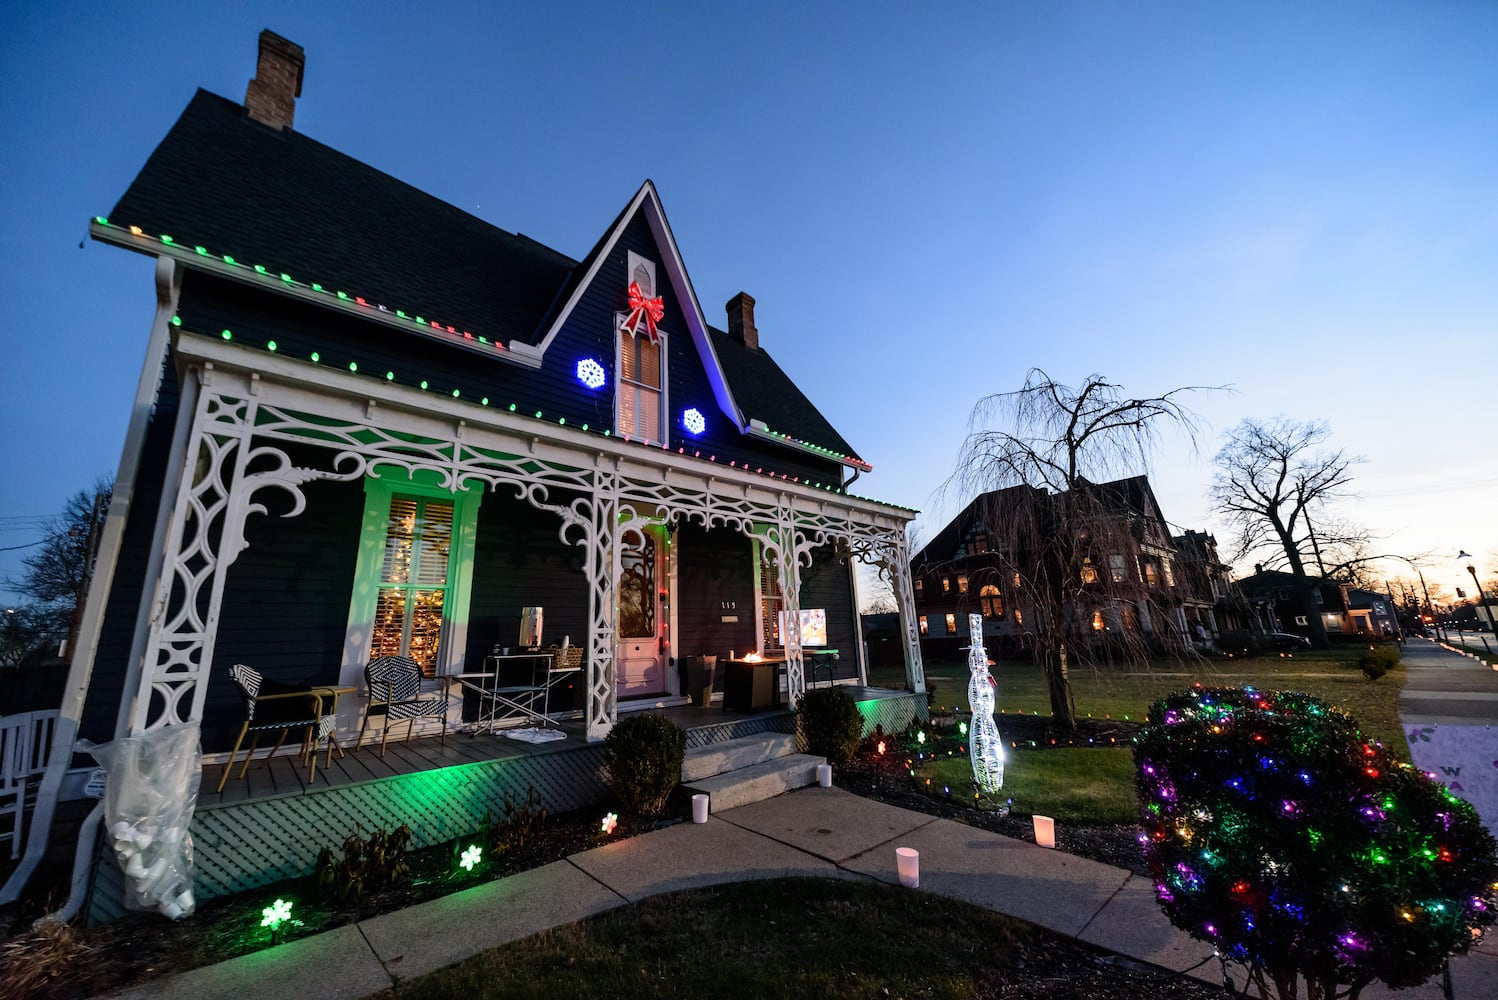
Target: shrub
<point>642,758</point>
<point>372,865</point>
<point>828,724</point>
<point>1379,660</point>
<point>1273,830</point>
<point>519,822</point>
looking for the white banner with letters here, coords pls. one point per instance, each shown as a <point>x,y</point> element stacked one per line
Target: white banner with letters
<point>1465,759</point>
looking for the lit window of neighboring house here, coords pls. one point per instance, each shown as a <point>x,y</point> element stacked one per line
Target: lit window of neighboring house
<point>1170,572</point>
<point>925,626</point>
<point>1089,571</point>
<point>1019,617</point>
<point>951,624</point>
<point>946,585</point>
<point>1098,624</point>
<point>962,585</point>
<point>412,577</point>
<point>919,588</point>
<point>1017,581</point>
<point>1151,573</point>
<point>1118,568</point>
<point>991,602</point>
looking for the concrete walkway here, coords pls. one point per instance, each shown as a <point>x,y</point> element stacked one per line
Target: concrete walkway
<point>822,832</point>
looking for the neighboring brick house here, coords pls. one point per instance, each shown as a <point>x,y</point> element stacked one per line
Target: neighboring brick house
<point>1131,578</point>
<point>1209,597</point>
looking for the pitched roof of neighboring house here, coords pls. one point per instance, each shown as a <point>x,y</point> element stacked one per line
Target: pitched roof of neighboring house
<point>223,187</point>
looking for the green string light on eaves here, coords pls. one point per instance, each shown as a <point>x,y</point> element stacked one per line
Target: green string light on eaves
<point>424,384</point>
<point>282,278</point>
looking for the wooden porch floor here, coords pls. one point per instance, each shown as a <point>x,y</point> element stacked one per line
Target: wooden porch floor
<point>286,775</point>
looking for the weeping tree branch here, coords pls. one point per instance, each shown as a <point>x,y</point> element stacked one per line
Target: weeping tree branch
<point>1037,454</point>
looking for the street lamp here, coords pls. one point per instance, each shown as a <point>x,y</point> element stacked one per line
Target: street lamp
<point>1435,622</point>
<point>1492,619</point>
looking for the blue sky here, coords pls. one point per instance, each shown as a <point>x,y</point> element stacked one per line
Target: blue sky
<point>1295,199</point>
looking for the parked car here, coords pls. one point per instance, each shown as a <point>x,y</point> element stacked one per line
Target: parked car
<point>1287,641</point>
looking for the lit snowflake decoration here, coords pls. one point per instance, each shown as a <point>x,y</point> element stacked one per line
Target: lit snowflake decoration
<point>591,374</point>
<point>920,736</point>
<point>470,857</point>
<point>609,822</point>
<point>274,915</point>
<point>694,421</point>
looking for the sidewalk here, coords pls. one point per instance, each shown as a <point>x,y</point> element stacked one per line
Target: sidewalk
<point>823,832</point>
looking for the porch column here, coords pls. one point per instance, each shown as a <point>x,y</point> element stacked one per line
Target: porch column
<point>894,565</point>
<point>206,536</point>
<point>779,541</point>
<point>601,545</point>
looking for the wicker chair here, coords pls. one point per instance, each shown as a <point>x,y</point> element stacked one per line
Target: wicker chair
<point>395,692</point>
<point>270,705</point>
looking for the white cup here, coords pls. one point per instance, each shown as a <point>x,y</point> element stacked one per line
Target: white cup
<point>699,808</point>
<point>1045,831</point>
<point>824,775</point>
<point>908,863</point>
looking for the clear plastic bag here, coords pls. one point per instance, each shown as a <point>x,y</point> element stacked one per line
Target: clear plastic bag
<point>148,805</point>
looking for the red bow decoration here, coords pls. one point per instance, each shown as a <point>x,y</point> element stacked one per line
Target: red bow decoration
<point>650,310</point>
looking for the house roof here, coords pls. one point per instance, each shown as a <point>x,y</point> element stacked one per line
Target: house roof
<point>286,205</point>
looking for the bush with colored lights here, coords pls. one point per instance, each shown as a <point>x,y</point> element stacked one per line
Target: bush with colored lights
<point>1276,831</point>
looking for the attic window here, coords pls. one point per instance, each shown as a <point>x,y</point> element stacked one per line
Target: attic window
<point>641,378</point>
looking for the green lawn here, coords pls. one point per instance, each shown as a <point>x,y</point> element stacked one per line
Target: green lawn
<point>1127,691</point>
<point>1089,786</point>
<point>784,938</point>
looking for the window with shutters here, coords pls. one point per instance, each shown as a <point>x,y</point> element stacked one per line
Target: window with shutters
<point>641,381</point>
<point>993,604</point>
<point>412,579</point>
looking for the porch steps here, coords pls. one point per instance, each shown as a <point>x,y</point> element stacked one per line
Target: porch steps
<point>730,755</point>
<point>748,769</point>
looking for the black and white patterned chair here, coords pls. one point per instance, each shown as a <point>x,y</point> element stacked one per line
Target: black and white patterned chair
<point>395,692</point>
<point>271,705</point>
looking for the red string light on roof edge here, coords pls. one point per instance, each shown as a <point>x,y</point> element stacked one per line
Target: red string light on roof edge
<point>286,279</point>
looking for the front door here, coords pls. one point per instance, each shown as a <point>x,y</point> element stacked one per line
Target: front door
<point>642,615</point>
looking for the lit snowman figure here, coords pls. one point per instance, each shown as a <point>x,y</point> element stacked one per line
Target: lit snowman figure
<point>983,736</point>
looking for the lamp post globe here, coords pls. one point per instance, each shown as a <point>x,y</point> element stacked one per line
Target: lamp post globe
<point>1482,597</point>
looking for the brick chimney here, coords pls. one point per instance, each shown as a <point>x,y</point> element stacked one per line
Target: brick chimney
<point>271,96</point>
<point>741,320</point>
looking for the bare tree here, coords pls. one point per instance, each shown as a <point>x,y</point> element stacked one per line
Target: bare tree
<point>1038,454</point>
<point>1277,485</point>
<point>57,574</point>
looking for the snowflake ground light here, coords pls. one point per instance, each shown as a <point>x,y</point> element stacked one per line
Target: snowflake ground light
<point>276,914</point>
<point>1276,831</point>
<point>471,857</point>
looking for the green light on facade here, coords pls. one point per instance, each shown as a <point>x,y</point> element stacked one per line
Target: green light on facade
<point>271,346</point>
<point>353,366</point>
<point>166,239</point>
<point>390,376</point>
<point>228,335</point>
<point>176,321</point>
<point>423,383</point>
<point>229,260</point>
<point>316,356</point>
